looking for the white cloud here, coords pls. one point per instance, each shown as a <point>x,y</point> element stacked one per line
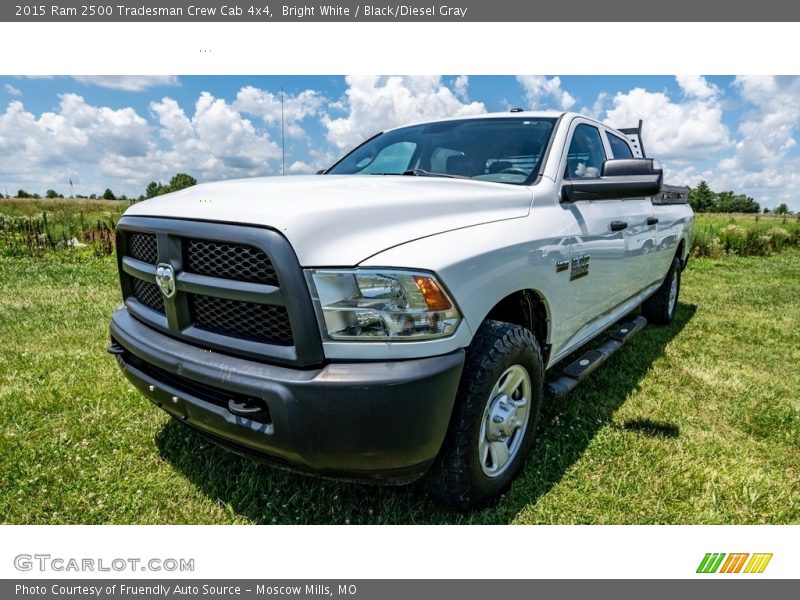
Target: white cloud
<point>129,83</point>
<point>696,86</point>
<point>11,90</point>
<point>461,87</point>
<point>50,148</point>
<point>760,160</point>
<point>99,147</point>
<point>763,163</point>
<point>267,106</point>
<point>374,104</point>
<point>300,167</point>
<point>216,142</point>
<point>598,108</point>
<point>679,131</point>
<point>541,92</point>
<point>768,130</point>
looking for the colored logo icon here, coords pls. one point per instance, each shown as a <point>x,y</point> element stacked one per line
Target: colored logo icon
<point>719,562</point>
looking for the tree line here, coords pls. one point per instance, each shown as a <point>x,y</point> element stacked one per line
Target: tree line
<point>703,199</point>
<point>178,182</point>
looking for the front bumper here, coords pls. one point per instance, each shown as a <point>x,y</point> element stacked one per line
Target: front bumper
<point>366,420</point>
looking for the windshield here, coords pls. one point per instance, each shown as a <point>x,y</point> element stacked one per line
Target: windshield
<point>504,150</point>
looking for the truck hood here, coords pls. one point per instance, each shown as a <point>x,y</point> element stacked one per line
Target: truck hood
<point>340,220</point>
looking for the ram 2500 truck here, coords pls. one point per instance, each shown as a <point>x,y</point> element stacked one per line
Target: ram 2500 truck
<point>394,316</point>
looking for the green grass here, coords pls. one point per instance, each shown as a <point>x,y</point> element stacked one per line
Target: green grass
<point>720,235</point>
<point>63,209</point>
<point>29,226</point>
<point>697,422</point>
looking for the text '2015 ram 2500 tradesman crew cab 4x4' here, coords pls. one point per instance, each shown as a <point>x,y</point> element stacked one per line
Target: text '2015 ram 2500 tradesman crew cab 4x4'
<point>393,316</point>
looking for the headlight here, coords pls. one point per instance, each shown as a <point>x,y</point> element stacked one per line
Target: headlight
<point>380,305</point>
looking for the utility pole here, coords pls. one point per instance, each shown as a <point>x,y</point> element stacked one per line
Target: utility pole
<point>283,140</point>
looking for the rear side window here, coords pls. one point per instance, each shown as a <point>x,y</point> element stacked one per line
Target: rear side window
<point>586,154</point>
<point>619,147</point>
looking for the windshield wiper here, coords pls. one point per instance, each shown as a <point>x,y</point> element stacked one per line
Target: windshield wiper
<point>424,173</point>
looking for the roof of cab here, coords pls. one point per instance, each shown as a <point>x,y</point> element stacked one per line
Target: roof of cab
<point>523,114</point>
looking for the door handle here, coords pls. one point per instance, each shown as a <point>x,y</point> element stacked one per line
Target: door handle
<point>652,220</point>
<point>618,225</point>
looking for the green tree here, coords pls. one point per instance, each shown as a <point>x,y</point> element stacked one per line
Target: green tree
<point>51,194</point>
<point>181,181</point>
<point>109,195</point>
<point>701,198</point>
<point>178,182</point>
<point>23,194</point>
<point>152,189</point>
<point>748,205</point>
<point>728,202</point>
<point>782,209</point>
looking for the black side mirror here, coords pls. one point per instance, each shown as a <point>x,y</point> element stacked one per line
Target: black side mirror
<point>619,178</point>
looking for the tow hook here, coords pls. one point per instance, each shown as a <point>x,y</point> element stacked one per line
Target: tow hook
<point>250,408</point>
<point>115,349</point>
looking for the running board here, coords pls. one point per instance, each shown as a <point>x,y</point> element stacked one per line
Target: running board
<point>579,370</point>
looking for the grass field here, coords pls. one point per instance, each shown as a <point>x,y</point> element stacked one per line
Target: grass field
<point>30,226</point>
<point>63,210</point>
<point>719,235</point>
<point>697,422</point>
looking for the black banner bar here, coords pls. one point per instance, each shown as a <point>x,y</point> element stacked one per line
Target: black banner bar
<point>730,588</point>
<point>405,11</point>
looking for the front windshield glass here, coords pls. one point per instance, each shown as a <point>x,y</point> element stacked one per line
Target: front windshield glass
<point>504,150</point>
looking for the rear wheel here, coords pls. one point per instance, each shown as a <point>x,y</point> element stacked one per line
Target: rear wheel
<point>494,417</point>
<point>660,307</point>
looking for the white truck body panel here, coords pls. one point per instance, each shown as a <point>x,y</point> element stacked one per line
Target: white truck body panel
<point>339,220</point>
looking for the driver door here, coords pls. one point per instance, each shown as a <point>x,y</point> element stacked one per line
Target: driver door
<point>595,282</point>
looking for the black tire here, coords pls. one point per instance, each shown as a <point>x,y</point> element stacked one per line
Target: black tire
<point>658,308</point>
<point>457,476</point>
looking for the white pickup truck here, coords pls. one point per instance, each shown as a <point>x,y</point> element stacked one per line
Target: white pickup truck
<point>394,317</point>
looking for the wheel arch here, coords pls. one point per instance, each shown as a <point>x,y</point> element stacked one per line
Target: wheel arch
<point>681,253</point>
<point>527,308</point>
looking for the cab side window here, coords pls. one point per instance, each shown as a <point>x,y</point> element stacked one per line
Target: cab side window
<point>586,153</point>
<point>619,147</point>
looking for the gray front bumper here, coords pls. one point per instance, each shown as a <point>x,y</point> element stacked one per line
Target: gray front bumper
<point>373,420</point>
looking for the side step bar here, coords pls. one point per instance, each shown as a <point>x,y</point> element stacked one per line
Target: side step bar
<point>591,359</point>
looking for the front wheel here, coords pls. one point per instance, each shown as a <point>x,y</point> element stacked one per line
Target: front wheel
<point>660,307</point>
<point>494,417</point>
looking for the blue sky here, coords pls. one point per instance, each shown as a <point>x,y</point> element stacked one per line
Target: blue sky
<point>121,132</point>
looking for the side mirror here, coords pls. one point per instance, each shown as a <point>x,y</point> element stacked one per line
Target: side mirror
<point>619,178</point>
